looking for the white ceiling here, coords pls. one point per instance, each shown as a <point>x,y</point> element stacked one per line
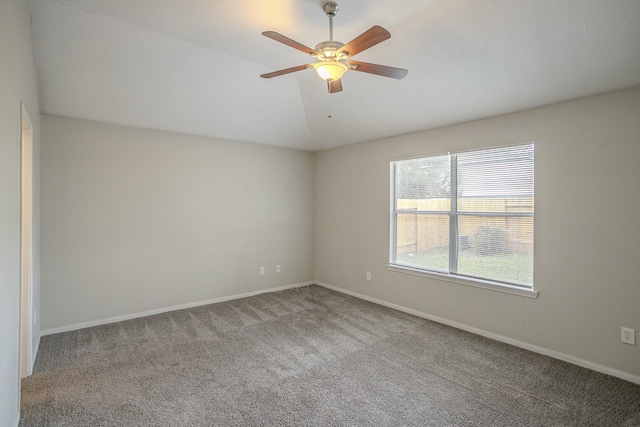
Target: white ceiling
<point>193,66</point>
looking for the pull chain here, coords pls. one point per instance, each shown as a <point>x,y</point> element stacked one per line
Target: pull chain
<point>329,116</point>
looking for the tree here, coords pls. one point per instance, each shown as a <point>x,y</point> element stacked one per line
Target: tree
<point>423,178</point>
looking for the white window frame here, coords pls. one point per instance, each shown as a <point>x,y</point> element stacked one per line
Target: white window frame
<point>521,290</point>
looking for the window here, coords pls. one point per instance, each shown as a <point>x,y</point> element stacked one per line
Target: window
<point>467,215</point>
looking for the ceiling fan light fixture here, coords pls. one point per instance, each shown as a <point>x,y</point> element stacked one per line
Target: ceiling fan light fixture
<point>330,70</point>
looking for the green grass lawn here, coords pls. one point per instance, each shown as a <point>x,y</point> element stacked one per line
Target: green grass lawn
<point>511,267</point>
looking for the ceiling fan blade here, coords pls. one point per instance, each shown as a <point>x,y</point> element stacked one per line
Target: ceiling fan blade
<point>334,86</point>
<point>285,71</point>
<point>381,70</point>
<point>289,42</point>
<point>371,37</point>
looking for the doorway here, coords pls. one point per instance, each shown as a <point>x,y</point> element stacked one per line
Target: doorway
<point>26,245</point>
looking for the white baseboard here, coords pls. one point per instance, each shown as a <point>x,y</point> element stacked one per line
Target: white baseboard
<point>166,309</point>
<point>535,348</point>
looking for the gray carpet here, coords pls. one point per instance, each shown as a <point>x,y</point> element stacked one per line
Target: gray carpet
<point>308,358</point>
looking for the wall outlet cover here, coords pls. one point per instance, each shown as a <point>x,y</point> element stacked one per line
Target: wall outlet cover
<point>628,335</point>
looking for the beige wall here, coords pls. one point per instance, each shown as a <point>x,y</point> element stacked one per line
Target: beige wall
<point>17,84</point>
<point>587,234</point>
<point>137,220</point>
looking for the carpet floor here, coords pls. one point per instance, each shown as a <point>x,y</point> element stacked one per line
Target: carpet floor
<point>310,357</point>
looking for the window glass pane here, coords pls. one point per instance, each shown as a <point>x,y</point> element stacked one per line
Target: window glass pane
<point>496,248</point>
<point>426,178</point>
<point>423,241</point>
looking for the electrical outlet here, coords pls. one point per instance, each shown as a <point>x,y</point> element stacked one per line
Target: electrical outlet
<point>368,275</point>
<point>261,271</point>
<point>628,335</point>
<point>277,269</point>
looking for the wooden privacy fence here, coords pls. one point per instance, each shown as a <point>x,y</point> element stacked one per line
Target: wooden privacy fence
<point>424,232</point>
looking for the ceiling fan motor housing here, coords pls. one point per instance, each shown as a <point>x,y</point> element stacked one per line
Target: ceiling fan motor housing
<point>328,49</point>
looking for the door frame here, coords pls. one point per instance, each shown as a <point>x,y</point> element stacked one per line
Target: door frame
<point>27,320</point>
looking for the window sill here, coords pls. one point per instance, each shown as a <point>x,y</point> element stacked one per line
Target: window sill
<point>476,283</point>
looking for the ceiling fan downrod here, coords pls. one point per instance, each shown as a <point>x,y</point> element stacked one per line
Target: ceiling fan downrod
<point>330,8</point>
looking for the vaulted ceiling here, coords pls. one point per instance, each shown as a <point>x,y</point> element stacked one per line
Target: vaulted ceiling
<point>193,66</point>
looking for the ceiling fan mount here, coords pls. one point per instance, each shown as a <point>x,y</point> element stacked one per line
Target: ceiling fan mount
<point>330,8</point>
<point>333,58</point>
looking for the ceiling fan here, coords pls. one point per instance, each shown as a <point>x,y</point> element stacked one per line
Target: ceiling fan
<point>333,58</point>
